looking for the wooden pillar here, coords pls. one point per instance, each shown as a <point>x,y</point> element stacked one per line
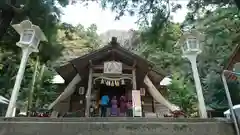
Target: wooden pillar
<point>134,81</point>
<point>88,94</point>
<point>153,105</point>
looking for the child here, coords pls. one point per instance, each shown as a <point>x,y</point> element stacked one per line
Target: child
<point>129,108</point>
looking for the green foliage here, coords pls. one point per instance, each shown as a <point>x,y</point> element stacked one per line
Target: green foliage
<point>143,9</point>
<point>219,20</point>
<point>181,93</point>
<point>77,41</point>
<point>221,29</point>
<point>46,15</point>
<point>9,64</point>
<point>48,93</point>
<point>217,99</point>
<point>156,42</point>
<point>160,51</point>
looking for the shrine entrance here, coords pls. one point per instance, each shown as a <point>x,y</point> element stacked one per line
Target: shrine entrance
<point>111,83</point>
<point>112,91</point>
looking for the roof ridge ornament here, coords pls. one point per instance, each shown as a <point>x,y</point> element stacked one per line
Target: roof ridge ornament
<point>114,42</point>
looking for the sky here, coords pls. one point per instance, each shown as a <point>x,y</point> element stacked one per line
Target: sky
<point>105,19</point>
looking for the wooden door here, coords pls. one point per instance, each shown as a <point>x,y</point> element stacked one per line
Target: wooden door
<point>78,103</point>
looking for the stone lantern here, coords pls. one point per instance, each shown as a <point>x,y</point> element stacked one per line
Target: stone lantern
<point>191,47</point>
<point>190,43</point>
<point>30,37</point>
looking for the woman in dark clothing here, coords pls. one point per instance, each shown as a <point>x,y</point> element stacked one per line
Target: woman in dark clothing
<point>123,106</point>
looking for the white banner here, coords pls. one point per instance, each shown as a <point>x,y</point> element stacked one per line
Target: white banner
<point>136,101</point>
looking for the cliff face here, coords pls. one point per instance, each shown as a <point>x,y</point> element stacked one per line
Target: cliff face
<point>123,37</point>
<point>78,46</point>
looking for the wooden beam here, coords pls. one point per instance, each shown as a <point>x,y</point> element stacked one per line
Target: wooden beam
<point>153,91</point>
<point>101,67</point>
<point>112,75</point>
<point>127,57</point>
<point>88,94</point>
<point>90,63</point>
<point>153,105</point>
<point>134,64</point>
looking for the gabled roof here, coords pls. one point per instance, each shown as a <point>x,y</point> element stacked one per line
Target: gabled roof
<point>234,58</point>
<point>81,64</point>
<point>113,46</point>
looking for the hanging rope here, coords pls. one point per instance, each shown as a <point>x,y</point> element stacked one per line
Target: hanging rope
<point>112,81</point>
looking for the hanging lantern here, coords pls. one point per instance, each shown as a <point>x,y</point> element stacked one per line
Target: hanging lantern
<point>102,81</point>
<point>122,82</point>
<point>112,83</point>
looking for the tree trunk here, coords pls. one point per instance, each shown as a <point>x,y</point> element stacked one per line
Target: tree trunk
<point>68,91</point>
<point>40,84</point>
<point>237,3</point>
<point>31,92</point>
<point>6,16</point>
<point>5,21</point>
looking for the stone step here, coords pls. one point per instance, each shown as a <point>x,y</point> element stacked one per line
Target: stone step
<point>111,119</point>
<point>114,126</point>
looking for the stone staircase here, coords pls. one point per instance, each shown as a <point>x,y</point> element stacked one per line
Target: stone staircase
<point>114,126</point>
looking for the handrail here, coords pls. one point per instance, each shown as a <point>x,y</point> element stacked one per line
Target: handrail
<point>230,104</point>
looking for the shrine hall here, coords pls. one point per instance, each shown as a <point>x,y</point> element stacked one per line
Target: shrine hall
<point>115,71</point>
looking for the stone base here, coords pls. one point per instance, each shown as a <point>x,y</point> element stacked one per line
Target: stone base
<point>114,126</point>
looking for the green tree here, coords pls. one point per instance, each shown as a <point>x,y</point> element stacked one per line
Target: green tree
<point>160,47</point>
<point>221,29</point>
<point>181,93</point>
<point>46,15</point>
<point>18,9</point>
<point>77,41</point>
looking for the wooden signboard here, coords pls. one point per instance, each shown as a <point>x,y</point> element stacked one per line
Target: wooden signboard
<point>81,90</point>
<point>142,91</point>
<point>112,67</point>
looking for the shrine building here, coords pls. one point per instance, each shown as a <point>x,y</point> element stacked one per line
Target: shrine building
<point>115,71</point>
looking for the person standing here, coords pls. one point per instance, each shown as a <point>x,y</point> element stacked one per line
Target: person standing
<point>104,104</point>
<point>114,109</point>
<point>129,109</point>
<point>123,106</point>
